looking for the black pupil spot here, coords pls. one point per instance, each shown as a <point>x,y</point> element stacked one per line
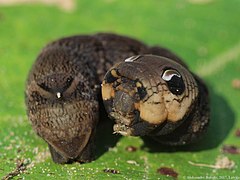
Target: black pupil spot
<point>174,81</point>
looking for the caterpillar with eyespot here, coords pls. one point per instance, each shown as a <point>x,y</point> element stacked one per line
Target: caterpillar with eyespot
<point>63,94</point>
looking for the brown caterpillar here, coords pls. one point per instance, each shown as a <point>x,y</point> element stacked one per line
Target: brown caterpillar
<point>63,90</point>
<point>155,96</point>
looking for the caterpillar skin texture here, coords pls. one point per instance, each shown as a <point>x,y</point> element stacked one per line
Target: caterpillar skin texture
<point>63,90</point>
<point>155,96</point>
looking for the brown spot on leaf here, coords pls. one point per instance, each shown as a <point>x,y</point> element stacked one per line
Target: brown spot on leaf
<point>168,172</point>
<point>131,148</point>
<point>236,83</point>
<point>113,171</point>
<point>237,133</point>
<point>230,149</point>
<point>19,150</point>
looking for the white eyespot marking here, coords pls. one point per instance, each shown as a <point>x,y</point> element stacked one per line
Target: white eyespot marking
<point>168,74</point>
<point>59,95</point>
<point>131,59</point>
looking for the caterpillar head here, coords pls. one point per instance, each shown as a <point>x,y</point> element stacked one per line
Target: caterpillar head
<point>144,92</point>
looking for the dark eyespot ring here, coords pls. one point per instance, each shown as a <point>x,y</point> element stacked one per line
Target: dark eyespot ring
<point>52,88</point>
<point>174,81</point>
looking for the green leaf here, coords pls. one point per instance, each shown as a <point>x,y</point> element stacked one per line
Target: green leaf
<point>203,32</point>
